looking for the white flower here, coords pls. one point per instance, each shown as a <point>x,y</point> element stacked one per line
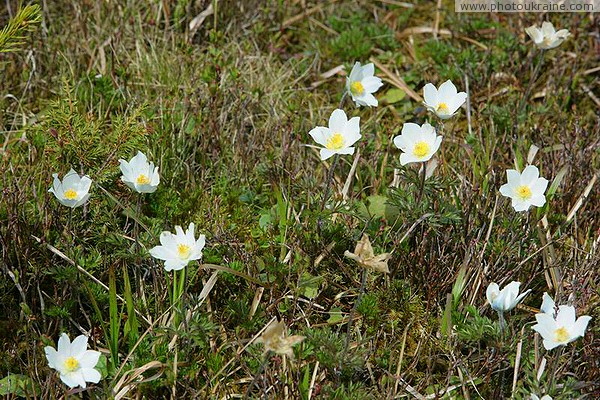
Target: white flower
<point>73,191</point>
<point>339,137</point>
<point>445,101</point>
<point>140,175</point>
<point>179,249</point>
<point>559,328</point>
<point>418,143</point>
<point>547,37</point>
<point>525,189</point>
<point>535,397</point>
<point>74,361</point>
<point>505,299</point>
<point>361,84</point>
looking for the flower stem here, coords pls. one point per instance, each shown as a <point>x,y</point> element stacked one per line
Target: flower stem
<point>422,185</point>
<point>259,373</point>
<point>329,180</point>
<point>555,369</point>
<point>351,317</point>
<point>342,99</point>
<point>523,100</point>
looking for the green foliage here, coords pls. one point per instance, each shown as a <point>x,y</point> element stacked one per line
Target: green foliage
<point>12,36</point>
<point>358,37</point>
<point>436,205</point>
<point>471,327</point>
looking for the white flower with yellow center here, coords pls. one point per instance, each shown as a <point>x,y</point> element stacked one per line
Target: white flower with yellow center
<point>74,361</point>
<point>505,299</point>
<point>339,137</point>
<point>418,143</point>
<point>73,190</point>
<point>445,101</point>
<point>525,189</point>
<point>139,174</point>
<point>547,37</point>
<point>361,84</point>
<point>178,249</point>
<point>559,328</point>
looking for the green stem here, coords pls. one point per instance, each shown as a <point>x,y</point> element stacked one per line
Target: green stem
<point>351,317</point>
<point>329,180</point>
<point>422,185</point>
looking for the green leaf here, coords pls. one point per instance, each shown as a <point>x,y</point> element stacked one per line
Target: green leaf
<point>335,315</point>
<point>18,385</point>
<point>393,96</point>
<point>309,285</point>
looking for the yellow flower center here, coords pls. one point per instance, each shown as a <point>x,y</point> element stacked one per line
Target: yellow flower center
<point>142,180</point>
<point>442,108</point>
<point>335,142</point>
<point>357,88</point>
<point>184,251</point>
<point>70,194</point>
<point>421,149</point>
<point>71,364</point>
<point>523,192</point>
<point>561,335</point>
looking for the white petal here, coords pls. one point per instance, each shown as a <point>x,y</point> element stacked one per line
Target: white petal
<point>539,187</point>
<point>70,380</point>
<point>346,150</point>
<point>174,265</point>
<point>458,101</point>
<point>354,74</point>
<point>548,29</point>
<point>506,190</point>
<point>550,344</point>
<point>436,145</point>
<point>538,200</point>
<point>565,316</point>
<point>51,356</point>
<point>337,121</point>
<point>71,179</point>
<point>548,305</point>
<point>91,375</point>
<point>369,100</point>
<point>513,177</point>
<point>580,326</point>
<point>89,359</point>
<point>447,91</point>
<point>78,346</point>
<point>519,205</point>
<point>530,175</point>
<point>162,252</point>
<point>491,292</point>
<point>411,132</point>
<point>326,153</point>
<point>372,84</point>
<point>400,142</point>
<point>320,134</point>
<point>368,70</point>
<point>64,344</point>
<point>535,34</point>
<point>406,158</point>
<point>546,325</point>
<point>430,94</point>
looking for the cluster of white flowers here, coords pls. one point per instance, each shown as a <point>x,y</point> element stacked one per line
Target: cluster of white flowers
<point>557,327</point>
<point>418,143</point>
<point>75,364</point>
<point>74,190</point>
